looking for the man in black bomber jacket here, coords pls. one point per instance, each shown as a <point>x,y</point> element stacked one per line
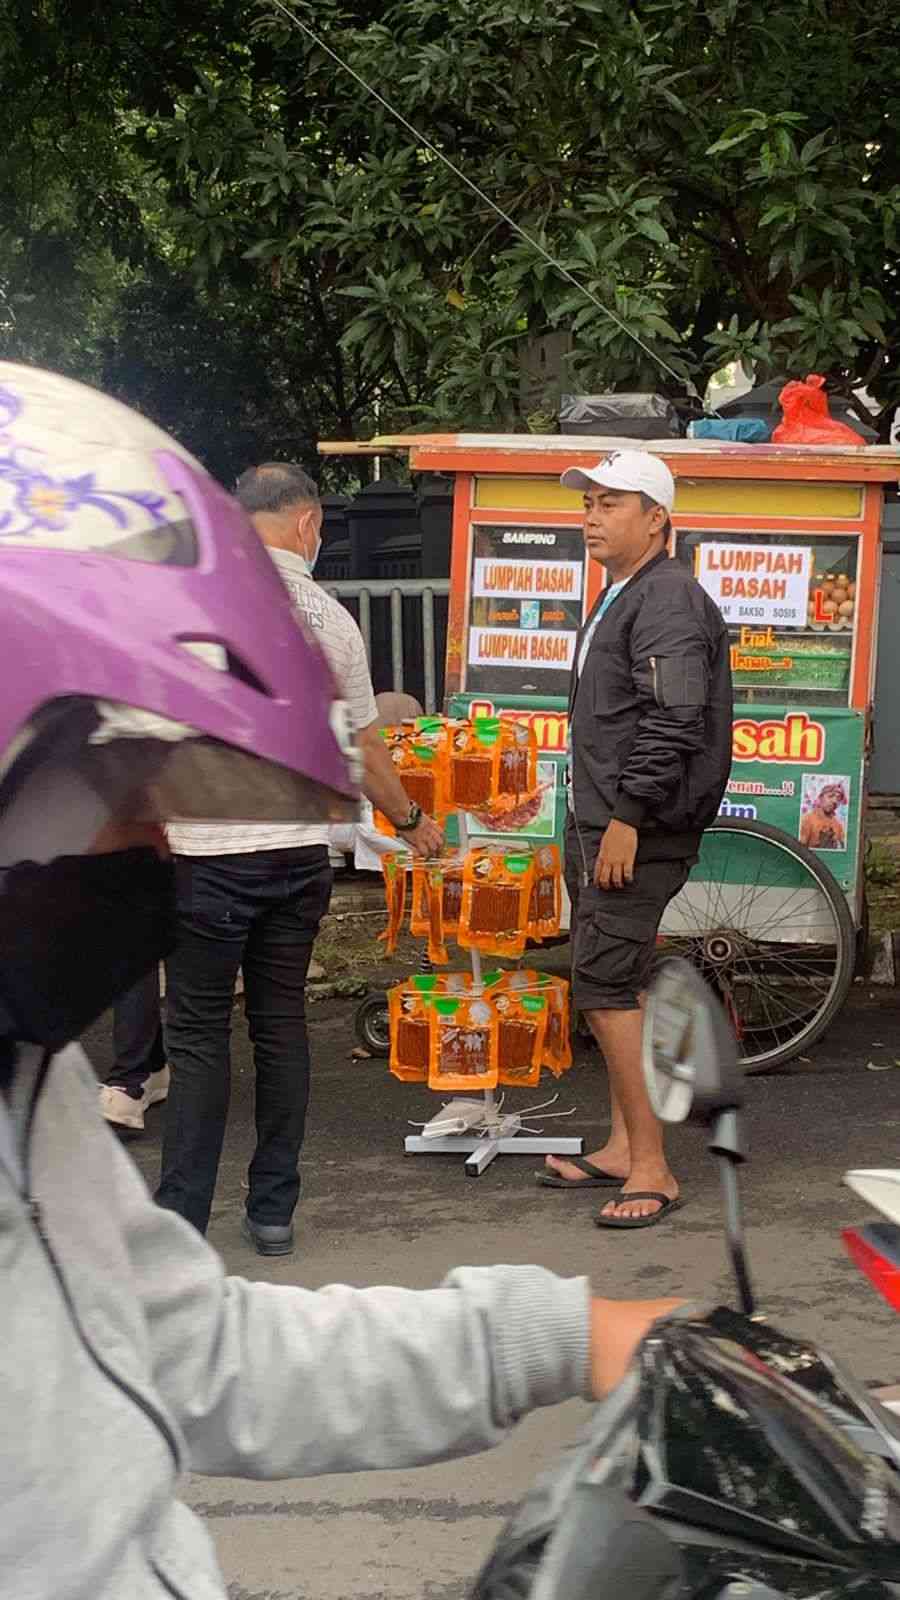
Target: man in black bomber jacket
<point>650,753</point>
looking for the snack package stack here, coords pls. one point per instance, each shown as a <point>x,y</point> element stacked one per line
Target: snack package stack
<point>493,771</point>
<point>545,906</point>
<point>521,1031</point>
<point>463,1053</point>
<point>393,870</point>
<point>419,751</point>
<point>409,1011</point>
<point>525,981</point>
<point>436,903</point>
<point>497,884</point>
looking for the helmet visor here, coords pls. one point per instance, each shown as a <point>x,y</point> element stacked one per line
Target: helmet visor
<point>81,764</point>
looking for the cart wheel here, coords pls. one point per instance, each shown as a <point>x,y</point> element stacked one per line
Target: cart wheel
<point>766,924</point>
<point>372,1026</point>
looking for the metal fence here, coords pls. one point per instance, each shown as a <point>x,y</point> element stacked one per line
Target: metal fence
<point>403,622</point>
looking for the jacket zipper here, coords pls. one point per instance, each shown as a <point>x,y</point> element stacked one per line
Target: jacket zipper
<point>585,874</point>
<point>34,1211</point>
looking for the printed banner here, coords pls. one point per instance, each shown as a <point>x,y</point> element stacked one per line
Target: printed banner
<point>801,771</point>
<point>526,604</point>
<point>533,647</point>
<point>757,583</point>
<point>549,774</point>
<point>528,578</point>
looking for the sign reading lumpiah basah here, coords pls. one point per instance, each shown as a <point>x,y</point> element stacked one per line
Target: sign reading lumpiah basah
<point>526,604</point>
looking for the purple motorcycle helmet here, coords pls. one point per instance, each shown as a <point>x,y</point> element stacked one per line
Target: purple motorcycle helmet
<point>153,668</point>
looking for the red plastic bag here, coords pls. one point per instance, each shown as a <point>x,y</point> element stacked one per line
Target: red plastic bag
<point>806,416</point>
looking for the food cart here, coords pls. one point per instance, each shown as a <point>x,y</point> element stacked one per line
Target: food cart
<point>786,539</point>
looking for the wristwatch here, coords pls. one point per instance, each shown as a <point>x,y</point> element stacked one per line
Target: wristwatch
<point>413,818</point>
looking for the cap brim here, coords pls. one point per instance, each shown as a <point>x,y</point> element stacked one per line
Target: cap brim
<point>577,478</point>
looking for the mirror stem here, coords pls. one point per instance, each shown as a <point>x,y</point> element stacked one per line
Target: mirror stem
<point>735,1233</point>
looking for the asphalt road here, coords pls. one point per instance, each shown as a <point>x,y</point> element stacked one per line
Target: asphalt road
<point>370,1215</point>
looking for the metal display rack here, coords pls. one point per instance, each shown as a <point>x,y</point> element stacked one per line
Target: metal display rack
<point>478,1127</point>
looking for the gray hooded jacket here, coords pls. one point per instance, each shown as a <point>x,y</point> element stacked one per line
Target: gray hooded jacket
<point>128,1358</point>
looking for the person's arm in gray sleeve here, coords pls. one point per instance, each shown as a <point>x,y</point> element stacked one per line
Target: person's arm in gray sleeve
<point>266,1381</point>
<point>670,669</point>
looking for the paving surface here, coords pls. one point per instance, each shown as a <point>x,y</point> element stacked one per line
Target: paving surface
<point>371,1215</point>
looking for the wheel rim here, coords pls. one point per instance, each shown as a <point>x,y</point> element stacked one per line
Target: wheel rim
<point>757,922</point>
<point>377,1026</point>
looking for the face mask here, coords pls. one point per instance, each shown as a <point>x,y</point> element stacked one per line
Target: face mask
<point>75,935</point>
<point>309,561</point>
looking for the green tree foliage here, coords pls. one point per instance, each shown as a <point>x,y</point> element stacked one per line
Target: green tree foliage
<point>204,207</point>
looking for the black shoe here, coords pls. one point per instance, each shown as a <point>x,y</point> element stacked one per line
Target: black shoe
<point>268,1238</point>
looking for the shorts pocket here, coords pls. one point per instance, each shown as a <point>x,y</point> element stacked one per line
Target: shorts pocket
<point>611,955</point>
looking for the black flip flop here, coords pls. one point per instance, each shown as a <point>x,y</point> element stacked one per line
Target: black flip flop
<point>665,1208</point>
<point>595,1177</point>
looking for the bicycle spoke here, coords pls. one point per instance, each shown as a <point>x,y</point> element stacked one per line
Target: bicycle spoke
<point>763,927</point>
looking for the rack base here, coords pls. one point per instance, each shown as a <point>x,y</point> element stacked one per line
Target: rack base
<point>481,1134</point>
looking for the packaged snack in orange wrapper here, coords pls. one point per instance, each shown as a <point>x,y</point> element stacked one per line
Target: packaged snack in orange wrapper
<point>419,753</point>
<point>493,771</point>
<point>474,752</point>
<point>558,1039</point>
<point>517,765</point>
<point>557,1048</point>
<point>497,883</point>
<point>436,903</point>
<point>393,870</point>
<point>463,1043</point>
<point>444,881</point>
<point>546,894</point>
<point>521,1030</point>
<point>419,911</point>
<point>408,1012</point>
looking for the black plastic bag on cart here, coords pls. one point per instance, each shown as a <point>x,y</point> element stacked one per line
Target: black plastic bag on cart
<point>620,416</point>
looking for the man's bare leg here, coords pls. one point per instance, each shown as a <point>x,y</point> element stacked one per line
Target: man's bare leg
<point>634,1150</point>
<point>618,1034</point>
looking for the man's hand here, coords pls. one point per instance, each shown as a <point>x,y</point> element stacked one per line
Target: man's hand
<point>425,839</point>
<point>617,1328</point>
<point>614,866</point>
<point>381,784</point>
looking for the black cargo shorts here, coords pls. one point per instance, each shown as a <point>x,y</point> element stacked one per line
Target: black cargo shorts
<point>613,931</point>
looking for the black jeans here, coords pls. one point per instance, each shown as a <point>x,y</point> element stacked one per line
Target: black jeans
<point>260,912</point>
<point>137,1035</point>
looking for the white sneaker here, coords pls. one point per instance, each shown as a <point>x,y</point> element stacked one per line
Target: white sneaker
<point>118,1107</point>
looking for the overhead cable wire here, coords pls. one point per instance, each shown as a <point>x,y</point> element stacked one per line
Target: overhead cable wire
<point>463,177</point>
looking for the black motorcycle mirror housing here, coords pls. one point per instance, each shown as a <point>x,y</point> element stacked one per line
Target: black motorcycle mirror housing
<point>689,1052</point>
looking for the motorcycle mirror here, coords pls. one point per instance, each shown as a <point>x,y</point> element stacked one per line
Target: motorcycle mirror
<point>688,1048</point>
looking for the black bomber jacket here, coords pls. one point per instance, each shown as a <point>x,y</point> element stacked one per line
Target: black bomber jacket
<point>650,715</point>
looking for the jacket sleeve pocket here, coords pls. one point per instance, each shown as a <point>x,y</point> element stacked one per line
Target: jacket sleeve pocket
<point>681,680</point>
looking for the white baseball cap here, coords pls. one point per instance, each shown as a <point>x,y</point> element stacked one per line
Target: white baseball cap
<point>632,471</point>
